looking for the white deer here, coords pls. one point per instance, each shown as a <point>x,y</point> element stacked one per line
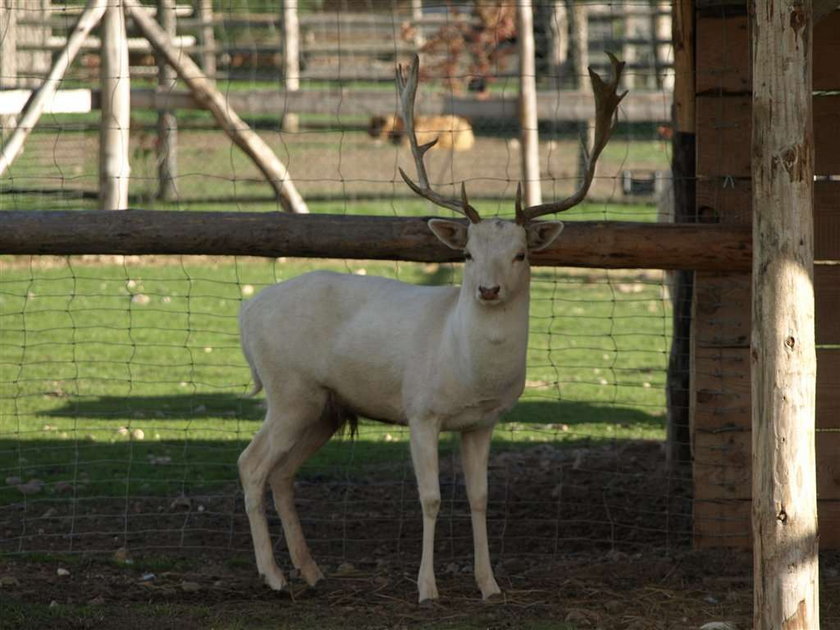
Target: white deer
<point>328,347</point>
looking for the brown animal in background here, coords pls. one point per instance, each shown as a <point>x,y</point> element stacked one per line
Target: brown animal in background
<point>452,132</point>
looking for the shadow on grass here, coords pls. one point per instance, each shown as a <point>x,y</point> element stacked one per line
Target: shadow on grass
<point>89,481</point>
<point>184,406</point>
<point>223,405</point>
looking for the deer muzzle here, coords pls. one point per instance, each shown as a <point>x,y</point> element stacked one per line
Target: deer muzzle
<point>489,294</point>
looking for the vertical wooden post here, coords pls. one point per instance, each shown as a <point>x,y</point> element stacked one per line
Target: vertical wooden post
<point>8,44</point>
<point>634,30</point>
<point>783,352</point>
<point>205,92</point>
<point>208,38</point>
<point>580,43</point>
<point>528,120</point>
<point>661,29</point>
<point>8,57</point>
<point>559,40</point>
<point>291,58</point>
<point>34,58</point>
<point>167,124</point>
<point>683,172</point>
<point>114,169</point>
<point>35,106</point>
<point>416,16</point>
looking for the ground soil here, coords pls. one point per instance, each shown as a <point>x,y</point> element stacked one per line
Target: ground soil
<point>595,537</point>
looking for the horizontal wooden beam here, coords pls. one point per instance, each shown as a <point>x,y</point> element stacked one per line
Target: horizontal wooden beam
<point>558,106</point>
<point>568,106</point>
<point>77,101</point>
<point>600,244</point>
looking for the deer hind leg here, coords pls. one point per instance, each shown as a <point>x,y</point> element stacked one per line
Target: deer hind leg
<point>255,463</point>
<point>269,448</point>
<point>475,449</point>
<point>281,479</point>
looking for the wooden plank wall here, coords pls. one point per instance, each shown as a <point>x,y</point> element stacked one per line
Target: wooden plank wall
<point>720,395</point>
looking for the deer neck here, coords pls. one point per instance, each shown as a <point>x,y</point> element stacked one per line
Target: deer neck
<point>491,341</point>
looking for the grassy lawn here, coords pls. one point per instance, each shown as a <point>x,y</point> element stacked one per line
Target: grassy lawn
<point>129,376</point>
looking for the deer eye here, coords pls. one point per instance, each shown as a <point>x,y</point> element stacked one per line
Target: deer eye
<point>519,257</point>
<point>467,256</point>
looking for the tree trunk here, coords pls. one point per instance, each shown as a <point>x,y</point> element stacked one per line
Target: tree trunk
<point>783,351</point>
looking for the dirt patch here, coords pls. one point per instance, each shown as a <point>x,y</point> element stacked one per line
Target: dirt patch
<point>587,591</point>
<point>595,537</point>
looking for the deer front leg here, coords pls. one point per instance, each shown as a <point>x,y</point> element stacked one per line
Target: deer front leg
<point>475,449</point>
<point>424,455</point>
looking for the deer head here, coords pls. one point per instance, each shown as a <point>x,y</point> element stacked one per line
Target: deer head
<point>496,251</point>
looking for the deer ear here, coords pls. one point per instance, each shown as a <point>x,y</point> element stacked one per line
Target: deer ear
<point>451,233</point>
<point>541,234</point>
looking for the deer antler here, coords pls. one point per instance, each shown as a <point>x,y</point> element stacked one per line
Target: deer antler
<point>407,80</point>
<point>606,104</point>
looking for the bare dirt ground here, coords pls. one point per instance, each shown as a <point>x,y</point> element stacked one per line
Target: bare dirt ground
<point>583,538</point>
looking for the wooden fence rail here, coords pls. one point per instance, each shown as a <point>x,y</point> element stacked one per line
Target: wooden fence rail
<point>608,244</point>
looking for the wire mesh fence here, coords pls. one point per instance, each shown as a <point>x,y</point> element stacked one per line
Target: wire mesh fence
<point>123,386</point>
<point>124,412</point>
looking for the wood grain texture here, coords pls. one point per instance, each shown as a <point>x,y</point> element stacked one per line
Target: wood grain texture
<point>827,220</point>
<point>782,353</point>
<point>725,124</point>
<point>608,244</point>
<point>724,67</point>
<point>721,393</point>
<point>726,523</point>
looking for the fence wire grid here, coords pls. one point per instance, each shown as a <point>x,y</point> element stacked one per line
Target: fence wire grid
<point>122,405</point>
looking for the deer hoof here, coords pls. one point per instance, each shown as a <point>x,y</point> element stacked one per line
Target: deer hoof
<point>275,581</point>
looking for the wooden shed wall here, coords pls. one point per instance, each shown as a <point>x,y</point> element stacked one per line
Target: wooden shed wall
<point>720,394</point>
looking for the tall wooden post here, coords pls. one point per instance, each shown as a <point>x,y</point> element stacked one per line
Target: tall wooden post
<point>291,58</point>
<point>114,169</point>
<point>683,172</point>
<point>661,29</point>
<point>205,92</point>
<point>580,57</point>
<point>784,494</point>
<point>558,52</point>
<point>35,106</point>
<point>208,38</point>
<point>8,57</point>
<point>8,44</point>
<point>167,124</point>
<point>416,16</point>
<point>528,120</point>
<point>635,30</point>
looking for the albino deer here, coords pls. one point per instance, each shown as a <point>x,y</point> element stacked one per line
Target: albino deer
<point>327,347</point>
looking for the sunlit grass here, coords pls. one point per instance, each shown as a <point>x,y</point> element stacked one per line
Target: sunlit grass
<point>128,377</point>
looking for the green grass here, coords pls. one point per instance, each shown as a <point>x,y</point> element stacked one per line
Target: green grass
<point>92,353</point>
<point>127,379</point>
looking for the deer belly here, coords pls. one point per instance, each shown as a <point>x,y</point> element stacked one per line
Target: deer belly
<point>480,415</point>
<point>370,397</point>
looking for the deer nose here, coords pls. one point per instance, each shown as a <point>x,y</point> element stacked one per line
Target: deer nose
<point>489,293</point>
